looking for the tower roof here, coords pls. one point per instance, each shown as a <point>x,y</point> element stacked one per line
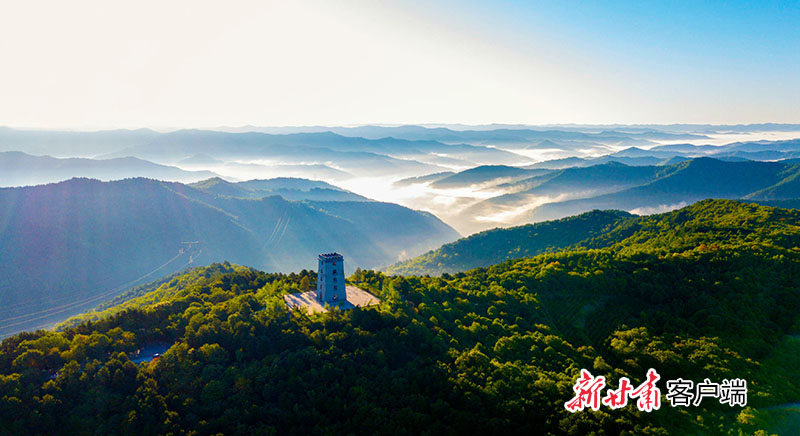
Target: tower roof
<point>334,255</point>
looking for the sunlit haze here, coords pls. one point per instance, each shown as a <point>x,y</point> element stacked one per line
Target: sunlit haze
<point>97,64</point>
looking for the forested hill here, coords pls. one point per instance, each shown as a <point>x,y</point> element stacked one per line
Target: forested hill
<point>709,291</point>
<point>496,245</point>
<point>710,222</point>
<point>66,247</point>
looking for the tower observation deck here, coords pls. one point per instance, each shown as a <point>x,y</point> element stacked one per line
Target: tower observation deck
<point>330,278</point>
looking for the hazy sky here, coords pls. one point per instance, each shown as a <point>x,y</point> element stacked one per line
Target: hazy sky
<point>203,64</point>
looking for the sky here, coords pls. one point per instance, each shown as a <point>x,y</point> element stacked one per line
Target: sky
<point>102,64</point>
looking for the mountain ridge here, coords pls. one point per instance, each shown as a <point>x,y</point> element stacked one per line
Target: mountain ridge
<point>22,169</point>
<point>124,230</point>
<point>595,229</point>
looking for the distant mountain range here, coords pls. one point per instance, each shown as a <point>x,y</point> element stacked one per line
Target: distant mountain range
<point>515,136</point>
<point>378,130</point>
<point>287,187</point>
<point>68,246</point>
<point>205,148</point>
<point>473,177</point>
<point>61,143</point>
<point>570,162</point>
<point>20,169</point>
<point>485,175</point>
<point>363,156</point>
<point>673,153</point>
<point>378,150</point>
<point>398,150</point>
<point>518,197</point>
<point>685,183</point>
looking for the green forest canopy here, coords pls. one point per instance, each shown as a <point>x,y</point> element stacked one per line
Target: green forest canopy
<point>713,222</point>
<point>709,291</point>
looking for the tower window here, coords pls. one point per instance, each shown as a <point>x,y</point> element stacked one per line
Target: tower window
<point>335,287</point>
<point>334,272</point>
<point>334,280</point>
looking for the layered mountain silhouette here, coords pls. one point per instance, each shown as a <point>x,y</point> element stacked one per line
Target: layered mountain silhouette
<point>72,143</point>
<point>365,156</point>
<point>485,175</point>
<point>20,169</point>
<point>556,194</point>
<point>290,188</point>
<point>68,246</point>
<point>685,183</point>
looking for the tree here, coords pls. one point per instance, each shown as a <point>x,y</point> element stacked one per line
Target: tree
<point>305,284</point>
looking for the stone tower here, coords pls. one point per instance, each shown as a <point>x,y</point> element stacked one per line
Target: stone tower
<point>330,278</point>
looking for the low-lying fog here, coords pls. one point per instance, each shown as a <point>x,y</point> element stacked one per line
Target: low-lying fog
<point>473,178</point>
<point>464,207</point>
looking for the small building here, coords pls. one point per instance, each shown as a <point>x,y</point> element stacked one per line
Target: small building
<point>332,290</point>
<point>330,278</point>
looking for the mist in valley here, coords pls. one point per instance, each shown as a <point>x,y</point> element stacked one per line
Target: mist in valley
<point>472,177</point>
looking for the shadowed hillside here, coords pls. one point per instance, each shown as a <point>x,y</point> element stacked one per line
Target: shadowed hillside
<point>681,183</point>
<point>709,222</point>
<point>67,247</point>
